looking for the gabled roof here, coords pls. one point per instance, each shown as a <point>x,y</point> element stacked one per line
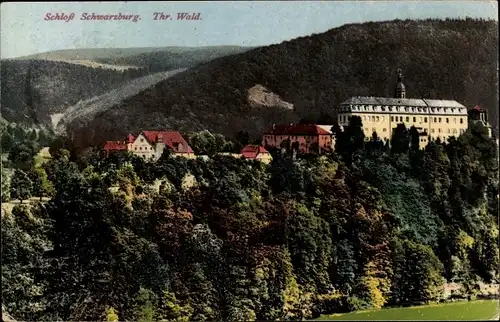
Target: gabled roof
<point>297,129</point>
<point>251,151</point>
<point>172,139</point>
<point>115,145</point>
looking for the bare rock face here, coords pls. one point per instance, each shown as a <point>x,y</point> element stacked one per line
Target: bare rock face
<point>259,96</point>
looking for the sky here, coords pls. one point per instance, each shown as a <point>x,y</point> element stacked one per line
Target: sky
<point>24,30</point>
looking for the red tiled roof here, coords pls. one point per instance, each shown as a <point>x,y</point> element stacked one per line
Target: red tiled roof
<point>171,139</point>
<point>297,129</point>
<point>115,145</point>
<point>251,151</point>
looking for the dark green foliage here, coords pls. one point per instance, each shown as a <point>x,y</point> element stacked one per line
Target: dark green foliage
<point>417,273</point>
<point>20,185</point>
<point>400,140</point>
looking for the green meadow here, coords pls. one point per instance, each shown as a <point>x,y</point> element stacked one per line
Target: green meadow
<point>475,310</point>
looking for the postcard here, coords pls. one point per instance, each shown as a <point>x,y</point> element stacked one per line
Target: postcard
<point>249,160</point>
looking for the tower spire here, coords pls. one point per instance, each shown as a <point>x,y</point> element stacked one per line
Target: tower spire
<point>400,90</point>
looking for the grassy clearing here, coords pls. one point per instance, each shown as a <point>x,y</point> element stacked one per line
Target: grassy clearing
<point>475,310</point>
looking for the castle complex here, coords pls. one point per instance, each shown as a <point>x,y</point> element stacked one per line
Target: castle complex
<point>432,118</point>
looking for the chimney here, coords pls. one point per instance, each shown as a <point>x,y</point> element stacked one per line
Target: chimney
<point>160,138</point>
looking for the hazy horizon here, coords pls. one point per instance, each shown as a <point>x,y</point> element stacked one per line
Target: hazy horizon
<point>242,24</point>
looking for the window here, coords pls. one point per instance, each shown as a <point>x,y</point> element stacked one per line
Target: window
<point>366,129</point>
<point>449,131</point>
<point>432,130</point>
<point>439,130</point>
<point>392,118</point>
<point>425,120</point>
<point>140,148</point>
<point>378,118</point>
<point>384,130</point>
<point>454,120</point>
<point>142,140</point>
<point>454,131</point>
<point>151,148</point>
<point>373,130</point>
<point>447,120</point>
<point>135,148</point>
<point>373,118</point>
<point>414,119</point>
<point>407,119</point>
<point>439,120</point>
<point>461,120</point>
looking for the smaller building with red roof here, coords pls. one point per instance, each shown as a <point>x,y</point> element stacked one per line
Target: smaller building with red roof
<point>303,138</point>
<point>151,144</point>
<point>256,152</point>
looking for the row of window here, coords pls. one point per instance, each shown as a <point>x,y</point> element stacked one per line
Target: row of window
<point>346,118</point>
<point>450,131</point>
<point>435,119</point>
<point>371,108</point>
<point>145,148</point>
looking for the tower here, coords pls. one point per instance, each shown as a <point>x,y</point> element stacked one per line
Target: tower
<point>478,114</point>
<point>160,146</point>
<point>400,90</point>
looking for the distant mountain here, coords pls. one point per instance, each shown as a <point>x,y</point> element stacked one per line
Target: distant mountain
<point>121,53</point>
<point>445,59</point>
<point>38,86</point>
<point>153,59</point>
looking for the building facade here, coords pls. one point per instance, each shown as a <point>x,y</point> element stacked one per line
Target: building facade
<point>151,144</point>
<point>302,138</point>
<point>432,118</point>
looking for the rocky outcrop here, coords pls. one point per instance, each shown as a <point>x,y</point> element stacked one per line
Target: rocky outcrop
<point>259,96</point>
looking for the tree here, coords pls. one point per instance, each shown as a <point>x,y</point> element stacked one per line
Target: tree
<point>42,187</point>
<point>414,139</point>
<point>171,309</point>
<point>145,305</point>
<point>417,273</point>
<point>400,141</point>
<point>7,141</point>
<point>351,141</point>
<point>21,155</point>
<point>20,185</point>
<point>5,185</point>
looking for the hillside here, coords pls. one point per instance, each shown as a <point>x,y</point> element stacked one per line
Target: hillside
<point>37,86</point>
<point>86,110</point>
<point>452,59</point>
<point>32,90</point>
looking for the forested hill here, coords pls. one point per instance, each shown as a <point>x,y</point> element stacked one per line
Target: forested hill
<point>447,59</point>
<point>36,86</point>
<point>34,89</point>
